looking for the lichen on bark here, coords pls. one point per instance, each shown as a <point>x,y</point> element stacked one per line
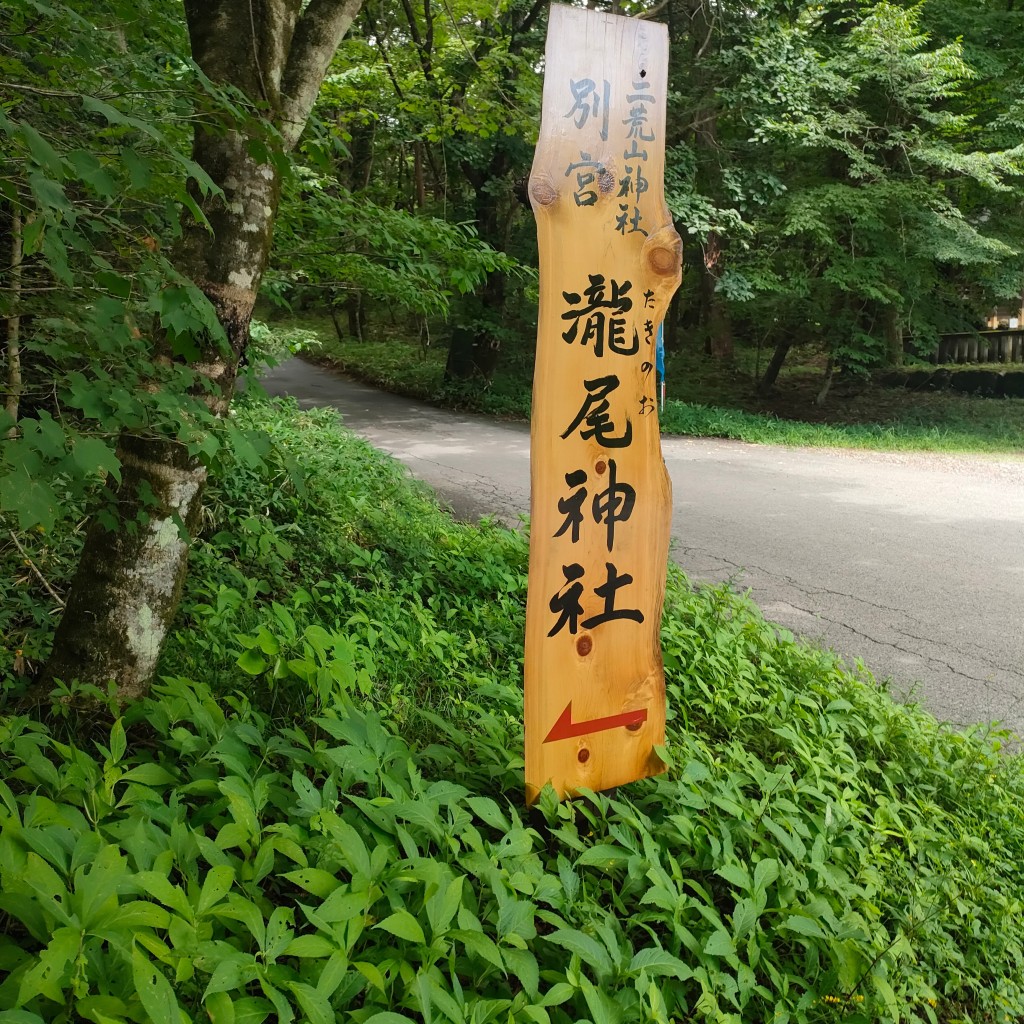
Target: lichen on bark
<point>129,579</point>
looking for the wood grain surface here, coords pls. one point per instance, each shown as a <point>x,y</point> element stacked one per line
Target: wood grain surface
<point>610,261</point>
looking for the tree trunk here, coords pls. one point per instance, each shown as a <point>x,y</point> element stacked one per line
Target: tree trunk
<point>421,188</point>
<point>14,383</point>
<point>129,582</point>
<point>893,336</point>
<point>356,315</point>
<point>718,341</point>
<point>826,384</point>
<point>771,373</point>
<point>332,305</point>
<point>475,355</point>
<point>705,42</point>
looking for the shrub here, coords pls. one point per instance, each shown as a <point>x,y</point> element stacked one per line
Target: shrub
<point>317,814</point>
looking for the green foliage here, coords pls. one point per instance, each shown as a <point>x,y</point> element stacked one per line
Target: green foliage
<point>97,187</point>
<point>331,241</point>
<point>261,841</point>
<point>844,163</point>
<point>710,404</point>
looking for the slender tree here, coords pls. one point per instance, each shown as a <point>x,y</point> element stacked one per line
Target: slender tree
<point>271,56</point>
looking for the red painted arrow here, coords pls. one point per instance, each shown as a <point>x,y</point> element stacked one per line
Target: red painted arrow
<point>565,728</point>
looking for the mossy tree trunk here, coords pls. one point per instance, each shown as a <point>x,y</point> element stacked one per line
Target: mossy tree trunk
<point>893,336</point>
<point>130,577</point>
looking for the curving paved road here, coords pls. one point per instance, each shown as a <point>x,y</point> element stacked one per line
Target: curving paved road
<point>912,562</point>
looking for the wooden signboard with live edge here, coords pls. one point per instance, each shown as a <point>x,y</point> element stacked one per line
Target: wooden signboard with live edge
<point>610,261</point>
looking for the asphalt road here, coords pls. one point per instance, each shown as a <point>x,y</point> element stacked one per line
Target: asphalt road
<point>913,563</point>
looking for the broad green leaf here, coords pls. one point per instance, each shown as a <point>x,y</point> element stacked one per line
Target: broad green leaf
<point>118,741</point>
<point>220,1008</point>
<point>604,856</point>
<point>310,946</point>
<point>603,1009</point>
<point>148,775</point>
<point>50,974</point>
<point>216,886</point>
<point>402,924</point>
<point>523,965</point>
<point>160,888</point>
<point>251,1010</point>
<point>488,810</point>
<point>516,917</point>
<point>720,944</point>
<point>315,1005</point>
<point>231,975</point>
<point>736,874</point>
<point>140,170</point>
<point>33,501</point>
<point>154,990</point>
<point>252,662</point>
<point>802,926</point>
<point>20,1017</point>
<point>659,962</point>
<point>585,946</point>
<point>318,882</point>
<point>765,872</point>
<point>42,152</point>
<point>745,916</point>
<point>444,905</point>
<point>92,172</point>
<point>557,994</point>
<point>141,914</point>
<point>479,945</point>
<point>371,972</point>
<point>49,193</point>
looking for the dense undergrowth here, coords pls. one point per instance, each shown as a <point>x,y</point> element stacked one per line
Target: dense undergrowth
<point>710,401</point>
<point>317,815</point>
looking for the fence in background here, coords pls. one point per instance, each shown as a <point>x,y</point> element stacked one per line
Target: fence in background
<point>981,347</point>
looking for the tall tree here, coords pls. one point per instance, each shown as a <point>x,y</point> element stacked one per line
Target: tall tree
<point>469,95</point>
<point>271,57</point>
<point>876,232</point>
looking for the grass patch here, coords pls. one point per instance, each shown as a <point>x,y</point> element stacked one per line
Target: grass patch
<point>710,400</point>
<point>317,814</point>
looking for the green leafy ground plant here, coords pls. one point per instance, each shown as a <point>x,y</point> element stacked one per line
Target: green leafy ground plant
<point>317,815</point>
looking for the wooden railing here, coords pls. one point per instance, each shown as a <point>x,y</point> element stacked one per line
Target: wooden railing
<point>981,347</point>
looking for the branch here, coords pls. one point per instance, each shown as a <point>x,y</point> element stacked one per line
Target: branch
<point>40,92</point>
<point>428,42</point>
<point>372,25</point>
<point>422,51</point>
<point>317,36</point>
<point>532,15</point>
<point>657,9</point>
<point>32,566</point>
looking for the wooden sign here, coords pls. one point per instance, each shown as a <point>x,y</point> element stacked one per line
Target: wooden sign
<point>601,503</point>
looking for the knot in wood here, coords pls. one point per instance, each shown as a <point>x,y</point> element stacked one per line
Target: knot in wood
<point>542,192</point>
<point>663,260</point>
